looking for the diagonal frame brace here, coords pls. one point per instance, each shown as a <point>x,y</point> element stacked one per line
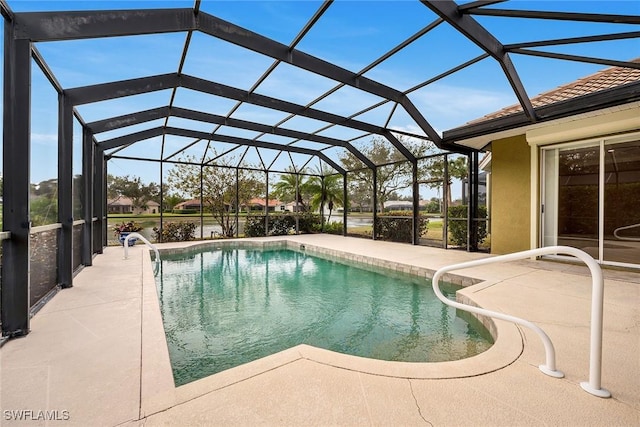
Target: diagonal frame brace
<point>472,30</point>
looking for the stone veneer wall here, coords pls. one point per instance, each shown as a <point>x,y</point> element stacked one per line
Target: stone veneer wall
<point>44,264</point>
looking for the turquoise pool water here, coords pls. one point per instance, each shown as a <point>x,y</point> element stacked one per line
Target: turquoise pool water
<point>226,307</point>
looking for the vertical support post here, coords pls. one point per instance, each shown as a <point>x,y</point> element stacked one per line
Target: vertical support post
<point>416,203</point>
<point>322,200</point>
<point>266,204</point>
<point>238,202</point>
<point>296,207</point>
<point>374,232</point>
<point>16,165</point>
<point>473,202</point>
<point>99,174</point>
<point>105,207</point>
<point>87,196</point>
<point>103,202</point>
<point>202,202</point>
<point>161,200</point>
<point>345,203</point>
<point>65,191</point>
<point>446,189</point>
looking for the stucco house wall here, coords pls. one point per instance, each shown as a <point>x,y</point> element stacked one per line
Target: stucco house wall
<point>510,195</point>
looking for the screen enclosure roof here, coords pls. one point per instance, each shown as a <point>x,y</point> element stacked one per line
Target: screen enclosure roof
<point>294,84</point>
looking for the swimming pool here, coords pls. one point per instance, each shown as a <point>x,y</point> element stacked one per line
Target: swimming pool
<point>222,308</point>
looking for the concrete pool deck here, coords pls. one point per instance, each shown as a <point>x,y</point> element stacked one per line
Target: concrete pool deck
<point>97,355</point>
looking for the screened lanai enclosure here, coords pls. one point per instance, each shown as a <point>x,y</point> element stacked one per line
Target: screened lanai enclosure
<point>271,117</point>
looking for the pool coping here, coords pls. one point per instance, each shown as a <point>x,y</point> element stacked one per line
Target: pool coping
<point>158,391</point>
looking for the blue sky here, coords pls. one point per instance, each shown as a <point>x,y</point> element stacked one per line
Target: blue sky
<point>350,34</point>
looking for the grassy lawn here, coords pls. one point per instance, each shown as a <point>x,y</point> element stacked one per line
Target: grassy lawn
<point>434,229</point>
<point>148,221</point>
<point>153,220</point>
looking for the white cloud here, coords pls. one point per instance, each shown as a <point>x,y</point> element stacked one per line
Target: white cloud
<point>410,129</point>
<point>447,106</point>
<point>44,138</point>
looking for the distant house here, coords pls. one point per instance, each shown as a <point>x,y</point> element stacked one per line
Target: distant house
<point>256,204</point>
<point>124,205</point>
<point>194,204</point>
<point>189,204</point>
<point>398,205</point>
<point>294,207</point>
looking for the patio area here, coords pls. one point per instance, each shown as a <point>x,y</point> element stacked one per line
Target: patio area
<point>97,355</point>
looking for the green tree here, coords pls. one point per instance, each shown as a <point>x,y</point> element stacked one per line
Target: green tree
<point>433,174</point>
<point>219,188</point>
<point>170,200</point>
<point>47,188</point>
<point>285,189</point>
<point>327,190</point>
<point>132,188</point>
<point>433,206</point>
<point>391,177</point>
<point>44,202</point>
<point>360,193</point>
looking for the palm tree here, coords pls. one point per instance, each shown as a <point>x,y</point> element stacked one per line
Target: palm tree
<point>327,190</point>
<point>285,188</point>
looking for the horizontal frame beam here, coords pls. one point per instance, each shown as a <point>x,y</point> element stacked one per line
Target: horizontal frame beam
<point>577,58</point>
<point>122,88</point>
<point>180,162</point>
<point>125,120</point>
<point>574,40</point>
<point>77,25</point>
<point>561,16</point>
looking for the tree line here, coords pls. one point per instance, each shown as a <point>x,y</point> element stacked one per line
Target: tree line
<point>313,190</point>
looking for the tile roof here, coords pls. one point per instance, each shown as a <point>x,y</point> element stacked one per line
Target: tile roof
<point>605,79</point>
<point>126,201</point>
<point>260,202</point>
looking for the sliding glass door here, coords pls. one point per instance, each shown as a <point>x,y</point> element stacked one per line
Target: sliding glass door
<point>622,202</point>
<point>591,199</point>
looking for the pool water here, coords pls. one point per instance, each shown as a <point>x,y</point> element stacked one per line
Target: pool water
<point>226,307</point>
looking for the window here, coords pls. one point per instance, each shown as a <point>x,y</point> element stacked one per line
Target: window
<point>591,199</point>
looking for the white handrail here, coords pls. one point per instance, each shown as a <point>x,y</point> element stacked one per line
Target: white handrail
<point>593,386</point>
<point>141,237</point>
<point>632,239</point>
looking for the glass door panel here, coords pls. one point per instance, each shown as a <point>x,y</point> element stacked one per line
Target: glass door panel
<point>578,177</point>
<point>550,198</point>
<point>622,203</point>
